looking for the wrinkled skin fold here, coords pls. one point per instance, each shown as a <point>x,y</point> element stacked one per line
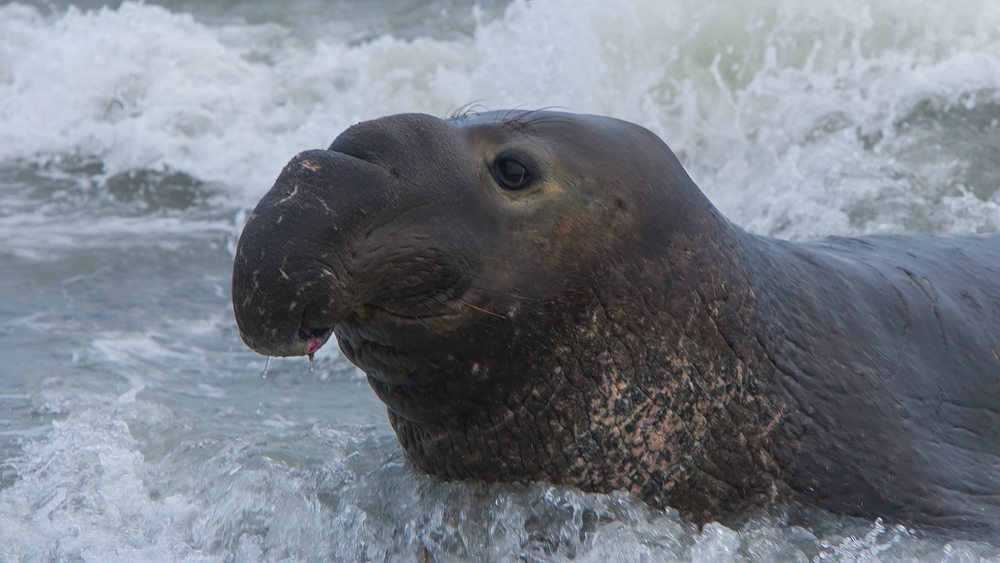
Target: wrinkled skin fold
<point>539,296</point>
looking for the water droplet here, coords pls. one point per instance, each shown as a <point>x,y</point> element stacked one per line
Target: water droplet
<point>266,363</point>
<point>311,364</point>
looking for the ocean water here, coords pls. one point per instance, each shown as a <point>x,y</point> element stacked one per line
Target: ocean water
<point>135,137</point>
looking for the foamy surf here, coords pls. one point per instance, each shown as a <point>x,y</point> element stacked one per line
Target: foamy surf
<point>762,99</point>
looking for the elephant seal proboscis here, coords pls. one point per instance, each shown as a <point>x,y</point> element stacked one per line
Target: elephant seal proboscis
<point>542,296</point>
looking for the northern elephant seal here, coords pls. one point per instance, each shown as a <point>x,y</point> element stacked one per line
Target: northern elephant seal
<point>541,296</point>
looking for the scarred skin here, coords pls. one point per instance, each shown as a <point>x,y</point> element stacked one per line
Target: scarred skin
<point>604,326</point>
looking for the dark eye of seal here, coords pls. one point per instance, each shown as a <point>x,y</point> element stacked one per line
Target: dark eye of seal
<point>511,174</point>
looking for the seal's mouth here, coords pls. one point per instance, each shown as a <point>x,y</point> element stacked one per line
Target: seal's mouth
<point>435,316</point>
<point>412,359</point>
<point>408,381</point>
<point>314,337</point>
<point>394,347</point>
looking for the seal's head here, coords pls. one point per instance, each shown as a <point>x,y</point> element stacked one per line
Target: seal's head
<point>503,279</point>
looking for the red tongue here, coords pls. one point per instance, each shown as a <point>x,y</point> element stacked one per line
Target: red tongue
<point>312,343</point>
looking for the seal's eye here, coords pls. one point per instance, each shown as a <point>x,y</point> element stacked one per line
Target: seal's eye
<point>511,174</point>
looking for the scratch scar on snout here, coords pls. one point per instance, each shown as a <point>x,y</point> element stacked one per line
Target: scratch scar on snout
<point>310,165</point>
<point>294,191</point>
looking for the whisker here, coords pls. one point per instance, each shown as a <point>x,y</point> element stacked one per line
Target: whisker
<point>480,309</point>
<point>523,119</point>
<point>468,109</point>
<point>507,119</point>
<point>500,293</point>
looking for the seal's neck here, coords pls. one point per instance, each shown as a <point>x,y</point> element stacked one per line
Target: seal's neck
<point>682,411</point>
<point>646,378</point>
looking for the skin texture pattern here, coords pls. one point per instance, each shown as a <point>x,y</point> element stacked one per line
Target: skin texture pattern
<point>541,296</point>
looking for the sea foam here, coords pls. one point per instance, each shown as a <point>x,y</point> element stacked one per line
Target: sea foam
<point>798,120</point>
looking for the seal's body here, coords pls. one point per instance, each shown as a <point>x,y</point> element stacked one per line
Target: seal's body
<point>546,296</point>
<point>889,348</point>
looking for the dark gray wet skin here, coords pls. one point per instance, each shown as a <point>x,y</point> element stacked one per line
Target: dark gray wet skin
<point>539,296</point>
